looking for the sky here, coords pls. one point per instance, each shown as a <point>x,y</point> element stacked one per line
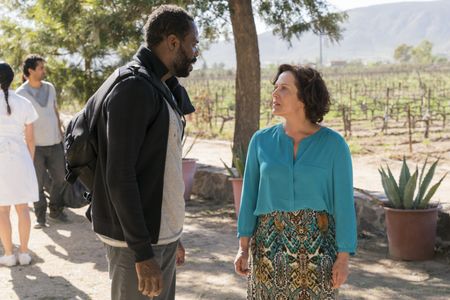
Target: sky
<point>345,5</point>
<point>349,4</point>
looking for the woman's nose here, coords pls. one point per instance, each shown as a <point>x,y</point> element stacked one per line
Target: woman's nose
<point>275,92</point>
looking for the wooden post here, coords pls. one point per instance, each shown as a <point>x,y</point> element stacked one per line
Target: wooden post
<point>349,114</point>
<point>409,130</point>
<point>386,112</point>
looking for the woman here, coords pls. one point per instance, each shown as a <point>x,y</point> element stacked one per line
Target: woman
<point>18,183</point>
<point>297,216</point>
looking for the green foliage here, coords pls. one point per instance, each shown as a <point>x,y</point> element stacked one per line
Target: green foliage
<point>421,54</point>
<point>291,18</point>
<point>239,164</point>
<point>82,41</point>
<point>403,53</point>
<point>402,195</point>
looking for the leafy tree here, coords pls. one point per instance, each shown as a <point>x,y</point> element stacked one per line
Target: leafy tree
<point>82,40</point>
<point>99,34</point>
<point>287,18</point>
<point>402,53</point>
<point>421,54</point>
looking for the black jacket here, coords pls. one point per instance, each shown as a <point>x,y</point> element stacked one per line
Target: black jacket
<point>132,133</point>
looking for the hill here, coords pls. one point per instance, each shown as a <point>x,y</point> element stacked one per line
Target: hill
<point>371,34</point>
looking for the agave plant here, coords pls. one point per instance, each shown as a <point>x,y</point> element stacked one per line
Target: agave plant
<point>239,164</point>
<point>401,195</point>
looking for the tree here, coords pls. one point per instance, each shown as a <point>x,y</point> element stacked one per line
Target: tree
<point>288,18</point>
<point>82,40</point>
<point>421,54</point>
<point>402,53</point>
<point>93,31</point>
<point>248,74</point>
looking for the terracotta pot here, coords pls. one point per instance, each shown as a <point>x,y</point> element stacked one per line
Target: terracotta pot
<point>189,168</point>
<point>237,191</point>
<point>411,232</point>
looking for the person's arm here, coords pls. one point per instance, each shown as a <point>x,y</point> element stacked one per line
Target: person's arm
<point>241,261</point>
<point>344,213</point>
<point>29,138</point>
<point>247,219</point>
<point>30,116</point>
<point>55,107</point>
<point>132,106</point>
<point>130,109</point>
<point>60,125</point>
<point>180,255</point>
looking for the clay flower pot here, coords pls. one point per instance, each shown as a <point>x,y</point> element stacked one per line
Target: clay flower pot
<point>189,167</point>
<point>237,191</point>
<point>411,232</point>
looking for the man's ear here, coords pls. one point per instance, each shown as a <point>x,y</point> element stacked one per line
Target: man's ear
<point>173,42</point>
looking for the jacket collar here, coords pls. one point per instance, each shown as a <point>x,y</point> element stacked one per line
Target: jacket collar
<point>150,61</point>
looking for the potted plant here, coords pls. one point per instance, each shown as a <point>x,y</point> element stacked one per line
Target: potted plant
<point>410,218</point>
<point>189,167</point>
<point>236,177</point>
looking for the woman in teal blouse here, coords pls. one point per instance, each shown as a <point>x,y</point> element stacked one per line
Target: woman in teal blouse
<point>297,217</point>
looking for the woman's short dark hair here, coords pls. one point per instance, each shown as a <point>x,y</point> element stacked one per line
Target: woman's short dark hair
<point>31,62</point>
<point>312,90</point>
<point>164,21</point>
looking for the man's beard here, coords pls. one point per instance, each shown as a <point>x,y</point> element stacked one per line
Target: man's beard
<point>182,64</point>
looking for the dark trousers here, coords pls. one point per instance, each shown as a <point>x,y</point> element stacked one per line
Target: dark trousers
<point>122,272</point>
<point>49,161</point>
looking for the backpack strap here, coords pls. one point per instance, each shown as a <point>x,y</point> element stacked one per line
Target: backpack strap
<point>140,71</point>
<point>95,103</point>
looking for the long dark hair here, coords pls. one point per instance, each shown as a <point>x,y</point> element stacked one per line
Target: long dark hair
<point>6,77</point>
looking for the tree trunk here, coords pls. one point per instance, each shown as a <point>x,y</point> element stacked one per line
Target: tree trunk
<point>248,74</point>
<point>89,82</point>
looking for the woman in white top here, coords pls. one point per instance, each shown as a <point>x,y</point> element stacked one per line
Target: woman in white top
<point>18,183</point>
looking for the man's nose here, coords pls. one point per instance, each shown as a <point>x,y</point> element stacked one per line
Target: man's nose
<point>196,52</point>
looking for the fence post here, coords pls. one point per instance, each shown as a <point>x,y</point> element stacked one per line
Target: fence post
<point>409,130</point>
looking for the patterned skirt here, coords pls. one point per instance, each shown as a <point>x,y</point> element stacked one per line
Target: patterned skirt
<point>292,255</point>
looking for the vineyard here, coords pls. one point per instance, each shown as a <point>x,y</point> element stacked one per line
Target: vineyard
<point>376,108</point>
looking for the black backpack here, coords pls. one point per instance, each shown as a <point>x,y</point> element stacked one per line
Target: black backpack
<point>80,142</point>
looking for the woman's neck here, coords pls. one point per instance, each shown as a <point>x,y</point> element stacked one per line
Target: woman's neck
<point>297,127</point>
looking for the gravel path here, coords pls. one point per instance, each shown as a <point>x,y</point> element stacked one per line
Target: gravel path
<point>69,261</point>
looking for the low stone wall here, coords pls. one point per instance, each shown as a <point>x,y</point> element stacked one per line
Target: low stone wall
<point>212,182</point>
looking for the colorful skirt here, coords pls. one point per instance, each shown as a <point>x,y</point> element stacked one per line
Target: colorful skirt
<point>292,255</point>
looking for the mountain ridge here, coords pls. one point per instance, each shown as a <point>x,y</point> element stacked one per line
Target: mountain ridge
<point>370,34</point>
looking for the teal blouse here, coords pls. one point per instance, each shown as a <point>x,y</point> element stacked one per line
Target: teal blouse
<point>320,178</point>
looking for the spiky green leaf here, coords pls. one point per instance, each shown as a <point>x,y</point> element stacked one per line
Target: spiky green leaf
<point>404,177</point>
<point>229,170</point>
<point>390,190</point>
<point>394,183</point>
<point>409,191</point>
<point>423,186</point>
<point>426,200</point>
<point>239,165</point>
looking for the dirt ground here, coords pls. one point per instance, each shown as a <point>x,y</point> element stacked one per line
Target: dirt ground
<point>70,264</point>
<point>69,261</point>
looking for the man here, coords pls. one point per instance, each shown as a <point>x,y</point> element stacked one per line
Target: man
<point>138,206</point>
<point>49,155</point>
